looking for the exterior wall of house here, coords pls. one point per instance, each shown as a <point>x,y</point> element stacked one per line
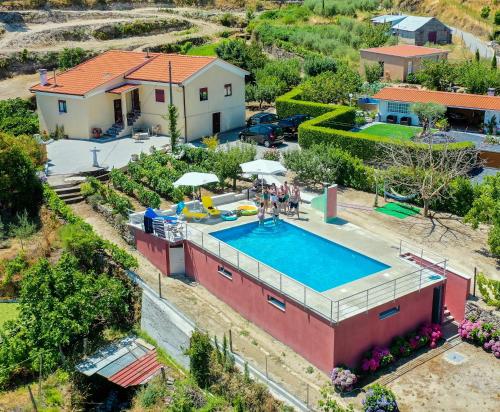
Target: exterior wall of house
<point>357,334</point>
<point>75,120</point>
<point>101,111</point>
<point>155,113</point>
<point>383,109</point>
<point>306,333</point>
<point>231,108</point>
<point>421,36</point>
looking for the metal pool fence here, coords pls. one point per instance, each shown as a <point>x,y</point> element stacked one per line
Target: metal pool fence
<point>332,310</point>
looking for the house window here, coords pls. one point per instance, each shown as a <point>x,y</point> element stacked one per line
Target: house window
<point>62,106</point>
<point>398,107</point>
<point>280,304</point>
<point>160,95</point>
<point>228,89</point>
<point>203,94</point>
<point>224,272</point>
<point>388,313</point>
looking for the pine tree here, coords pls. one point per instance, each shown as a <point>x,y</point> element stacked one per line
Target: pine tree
<point>494,62</point>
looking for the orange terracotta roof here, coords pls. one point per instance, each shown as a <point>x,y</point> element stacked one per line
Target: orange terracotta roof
<point>114,64</point>
<point>183,67</point>
<point>405,50</point>
<point>94,72</point>
<point>464,100</point>
<point>123,88</point>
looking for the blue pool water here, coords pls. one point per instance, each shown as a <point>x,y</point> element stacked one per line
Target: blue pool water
<point>302,255</point>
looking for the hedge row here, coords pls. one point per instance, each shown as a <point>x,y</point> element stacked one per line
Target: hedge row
<point>331,125</point>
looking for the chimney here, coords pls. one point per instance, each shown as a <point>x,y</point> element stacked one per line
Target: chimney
<point>43,76</point>
<point>491,91</point>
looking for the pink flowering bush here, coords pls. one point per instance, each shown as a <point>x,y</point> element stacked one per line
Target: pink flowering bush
<point>376,358</point>
<point>481,333</point>
<point>343,379</point>
<point>431,331</point>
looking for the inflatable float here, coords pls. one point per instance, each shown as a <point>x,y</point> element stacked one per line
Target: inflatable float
<point>247,210</point>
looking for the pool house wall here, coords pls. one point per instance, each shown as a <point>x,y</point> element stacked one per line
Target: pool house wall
<point>322,342</point>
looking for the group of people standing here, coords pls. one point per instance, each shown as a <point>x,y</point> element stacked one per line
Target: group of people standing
<point>284,199</point>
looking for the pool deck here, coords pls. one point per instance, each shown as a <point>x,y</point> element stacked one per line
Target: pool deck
<point>337,303</point>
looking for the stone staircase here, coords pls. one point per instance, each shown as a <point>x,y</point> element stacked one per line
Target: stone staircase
<point>117,128</point>
<point>70,192</point>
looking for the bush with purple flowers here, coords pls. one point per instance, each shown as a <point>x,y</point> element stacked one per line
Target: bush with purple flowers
<point>376,358</point>
<point>380,399</point>
<point>343,379</point>
<point>432,331</point>
<point>481,333</point>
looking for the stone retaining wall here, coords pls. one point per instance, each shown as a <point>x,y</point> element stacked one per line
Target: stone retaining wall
<point>480,312</point>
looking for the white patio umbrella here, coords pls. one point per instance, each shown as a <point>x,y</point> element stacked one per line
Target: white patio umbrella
<point>196,179</point>
<point>262,167</point>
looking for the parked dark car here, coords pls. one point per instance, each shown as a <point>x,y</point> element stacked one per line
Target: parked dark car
<point>261,118</point>
<point>290,125</point>
<point>266,134</point>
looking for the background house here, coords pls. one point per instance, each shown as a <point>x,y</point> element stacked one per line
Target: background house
<point>119,92</point>
<point>400,60</point>
<point>464,111</point>
<point>391,19</point>
<point>421,30</point>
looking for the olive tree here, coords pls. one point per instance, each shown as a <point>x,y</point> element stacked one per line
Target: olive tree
<point>428,114</point>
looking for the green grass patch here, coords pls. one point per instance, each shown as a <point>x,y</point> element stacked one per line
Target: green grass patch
<point>397,131</point>
<point>8,311</point>
<point>398,210</point>
<point>204,50</point>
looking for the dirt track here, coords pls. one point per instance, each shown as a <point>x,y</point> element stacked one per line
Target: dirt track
<point>28,35</point>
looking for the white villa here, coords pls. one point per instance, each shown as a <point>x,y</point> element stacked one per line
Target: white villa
<point>119,92</point>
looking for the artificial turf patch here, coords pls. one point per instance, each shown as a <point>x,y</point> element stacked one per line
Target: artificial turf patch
<point>398,210</point>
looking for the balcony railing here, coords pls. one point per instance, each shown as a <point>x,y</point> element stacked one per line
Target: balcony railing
<point>330,309</point>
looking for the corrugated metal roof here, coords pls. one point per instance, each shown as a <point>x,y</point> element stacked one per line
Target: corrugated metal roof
<point>412,23</point>
<point>388,18</point>
<point>137,372</point>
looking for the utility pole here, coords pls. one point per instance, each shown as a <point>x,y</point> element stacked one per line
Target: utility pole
<point>170,82</point>
<point>40,379</point>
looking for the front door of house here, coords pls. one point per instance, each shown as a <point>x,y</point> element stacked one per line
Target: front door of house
<point>215,122</point>
<point>117,103</point>
<point>432,37</point>
<point>136,105</point>
<point>437,304</point>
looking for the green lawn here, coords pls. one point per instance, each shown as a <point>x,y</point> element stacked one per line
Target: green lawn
<point>392,130</point>
<point>204,50</point>
<point>8,311</point>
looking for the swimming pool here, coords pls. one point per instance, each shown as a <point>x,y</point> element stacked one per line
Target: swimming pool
<point>310,259</point>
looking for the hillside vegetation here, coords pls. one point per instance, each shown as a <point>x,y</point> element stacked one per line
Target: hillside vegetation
<point>465,15</point>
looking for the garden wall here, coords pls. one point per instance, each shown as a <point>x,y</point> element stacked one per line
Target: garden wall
<point>456,294</point>
<point>332,123</point>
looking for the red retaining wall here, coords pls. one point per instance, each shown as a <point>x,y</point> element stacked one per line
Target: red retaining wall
<point>306,333</point>
<point>357,334</point>
<point>155,249</point>
<point>456,294</point>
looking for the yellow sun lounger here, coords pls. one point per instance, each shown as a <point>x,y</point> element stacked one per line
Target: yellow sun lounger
<point>196,216</point>
<point>208,204</point>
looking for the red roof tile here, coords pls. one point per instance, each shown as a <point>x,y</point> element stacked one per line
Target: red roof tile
<point>405,50</point>
<point>94,72</point>
<point>113,64</point>
<point>137,372</point>
<point>183,67</point>
<point>463,100</point>
<point>123,88</point>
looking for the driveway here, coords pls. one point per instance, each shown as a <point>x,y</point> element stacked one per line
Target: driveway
<point>474,43</point>
<point>74,156</point>
<point>230,138</point>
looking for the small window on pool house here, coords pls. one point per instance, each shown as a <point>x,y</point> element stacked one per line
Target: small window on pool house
<point>224,272</point>
<point>280,304</point>
<point>388,313</point>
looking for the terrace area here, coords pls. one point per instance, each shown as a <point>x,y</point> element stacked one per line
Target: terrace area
<point>340,302</point>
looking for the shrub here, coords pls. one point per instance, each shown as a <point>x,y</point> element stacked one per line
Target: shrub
<point>432,332</point>
<point>17,117</point>
<point>317,64</point>
<point>376,358</point>
<point>343,379</point>
<point>272,154</point>
<point>481,333</point>
<point>200,350</point>
<point>490,290</point>
<point>379,399</point>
